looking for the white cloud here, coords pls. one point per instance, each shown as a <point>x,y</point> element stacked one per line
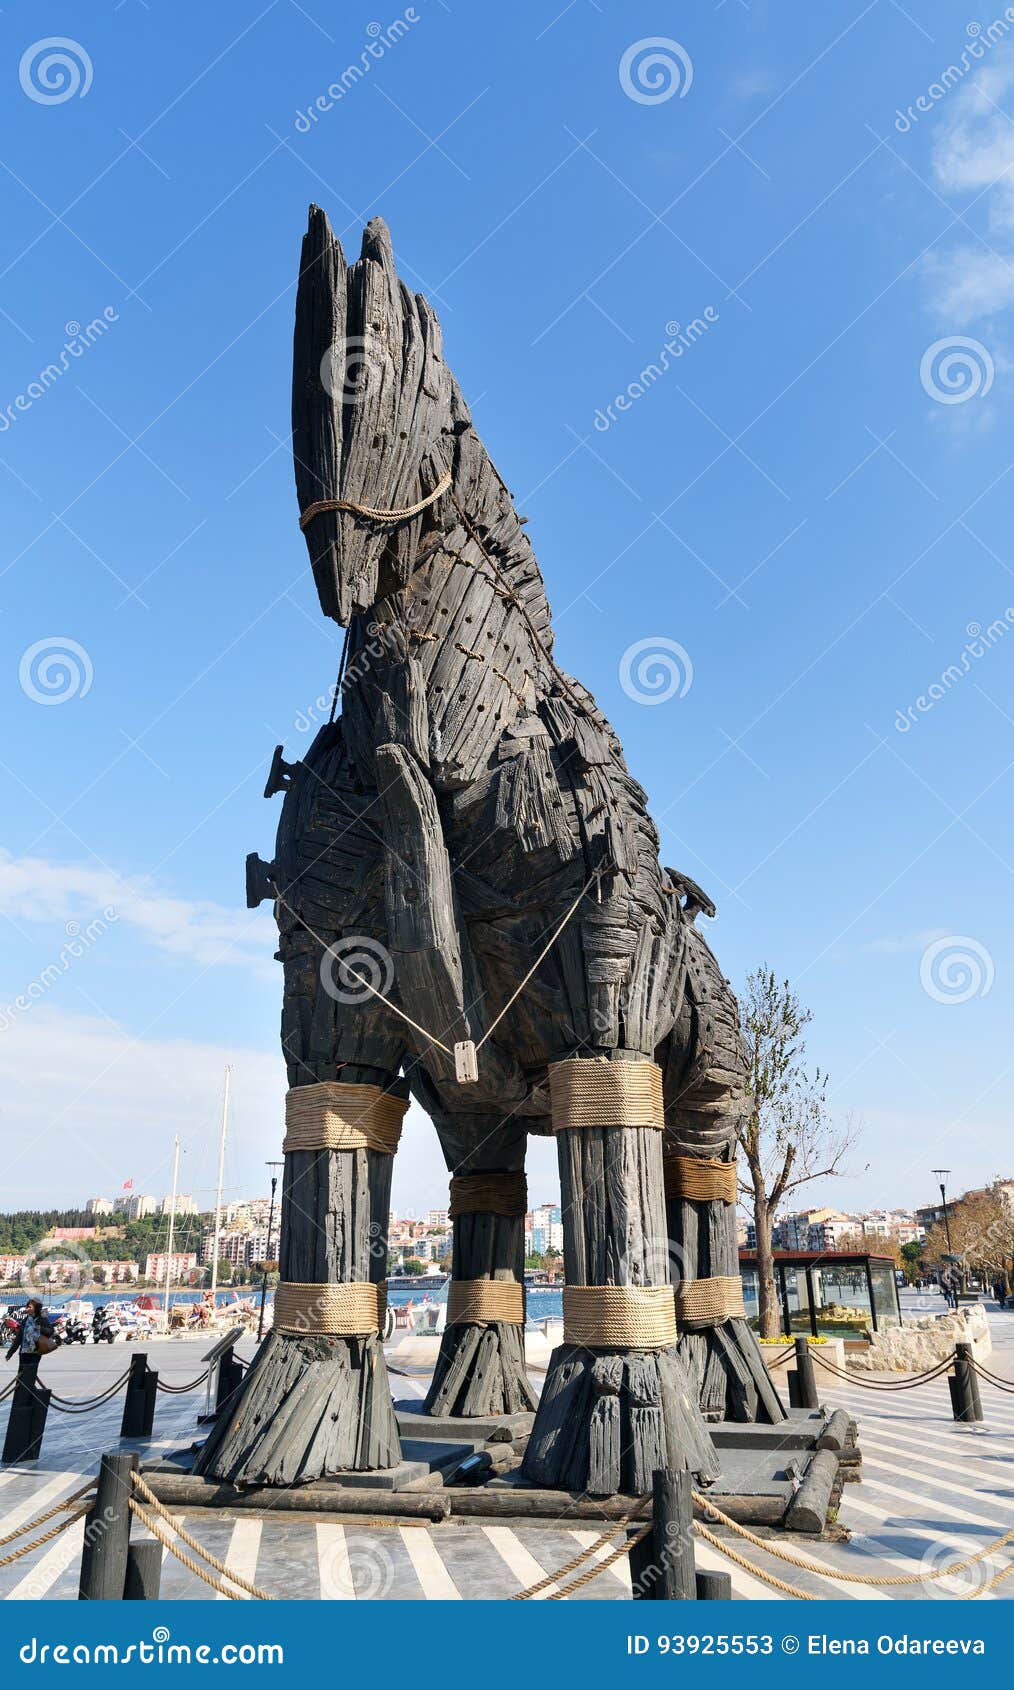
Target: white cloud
<point>86,1106</point>
<point>33,889</point>
<point>750,84</point>
<point>904,944</point>
<point>974,156</point>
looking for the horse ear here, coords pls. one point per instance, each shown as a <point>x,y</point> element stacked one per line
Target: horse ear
<point>377,243</point>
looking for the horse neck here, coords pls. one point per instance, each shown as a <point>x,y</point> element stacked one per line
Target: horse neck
<point>447,664</point>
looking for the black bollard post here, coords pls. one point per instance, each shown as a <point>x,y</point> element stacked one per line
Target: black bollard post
<point>792,1381</point>
<point>107,1533</point>
<point>144,1572</point>
<point>805,1376</point>
<point>968,1402</point>
<point>139,1403</point>
<point>230,1376</point>
<point>714,1587</point>
<point>662,1567</point>
<point>27,1420</point>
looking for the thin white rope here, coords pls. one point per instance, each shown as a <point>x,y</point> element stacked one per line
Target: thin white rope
<point>542,954</point>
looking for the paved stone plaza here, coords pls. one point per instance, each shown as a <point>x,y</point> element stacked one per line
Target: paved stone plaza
<point>931,1492</point>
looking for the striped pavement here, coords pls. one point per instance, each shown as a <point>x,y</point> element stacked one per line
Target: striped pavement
<point>931,1493</point>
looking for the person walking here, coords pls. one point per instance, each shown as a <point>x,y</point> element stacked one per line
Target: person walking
<point>34,1339</point>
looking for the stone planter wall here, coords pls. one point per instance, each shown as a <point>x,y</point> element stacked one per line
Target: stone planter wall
<point>918,1345</point>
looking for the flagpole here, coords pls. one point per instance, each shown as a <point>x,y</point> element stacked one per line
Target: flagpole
<point>218,1191</point>
<point>172,1228</point>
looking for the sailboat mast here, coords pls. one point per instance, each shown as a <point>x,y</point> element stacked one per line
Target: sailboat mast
<point>172,1228</point>
<point>218,1189</point>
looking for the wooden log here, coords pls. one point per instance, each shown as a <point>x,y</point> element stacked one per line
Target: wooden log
<point>836,1433</point>
<point>714,1587</point>
<point>968,1384</point>
<point>668,1575</point>
<point>807,1512</point>
<point>144,1572</point>
<point>187,1492</point>
<point>807,1382</point>
<point>107,1532</point>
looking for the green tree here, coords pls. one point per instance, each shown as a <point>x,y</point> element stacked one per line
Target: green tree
<point>787,1135</point>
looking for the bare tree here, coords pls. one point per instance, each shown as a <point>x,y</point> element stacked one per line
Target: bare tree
<point>788,1137</point>
<point>981,1232</point>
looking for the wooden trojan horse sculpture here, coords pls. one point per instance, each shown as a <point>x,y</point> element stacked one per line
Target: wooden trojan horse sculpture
<point>473,912</point>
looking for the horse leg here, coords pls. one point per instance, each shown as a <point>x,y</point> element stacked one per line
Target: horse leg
<point>481,1366</point>
<point>616,1404</point>
<point>316,1399</point>
<point>704,1073</point>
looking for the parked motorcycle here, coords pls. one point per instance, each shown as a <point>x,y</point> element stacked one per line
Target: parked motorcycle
<point>103,1331</point>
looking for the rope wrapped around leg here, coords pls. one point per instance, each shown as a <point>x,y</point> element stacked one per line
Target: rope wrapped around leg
<point>485,1302</point>
<point>587,1092</point>
<point>710,1302</point>
<point>489,1193</point>
<point>700,1179</point>
<point>345,1311</point>
<point>333,1115</point>
<point>622,1317</point>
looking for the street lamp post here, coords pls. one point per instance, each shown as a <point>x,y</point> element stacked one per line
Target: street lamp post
<point>942,1175</point>
<point>264,1277</point>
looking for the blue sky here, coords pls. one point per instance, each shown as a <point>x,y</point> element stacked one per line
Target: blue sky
<point>812,502</point>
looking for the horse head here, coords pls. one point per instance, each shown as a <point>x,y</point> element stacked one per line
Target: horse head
<point>375,412</point>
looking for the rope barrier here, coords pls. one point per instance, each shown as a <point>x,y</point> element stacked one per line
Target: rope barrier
<point>576,1561</point>
<point>601,1566</point>
<point>806,1565</point>
<point>1005,1385</point>
<point>926,1378</point>
<point>181,1390</point>
<point>192,1542</point>
<point>40,1519</point>
<point>771,1579</point>
<point>36,1543</point>
<point>83,1405</point>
